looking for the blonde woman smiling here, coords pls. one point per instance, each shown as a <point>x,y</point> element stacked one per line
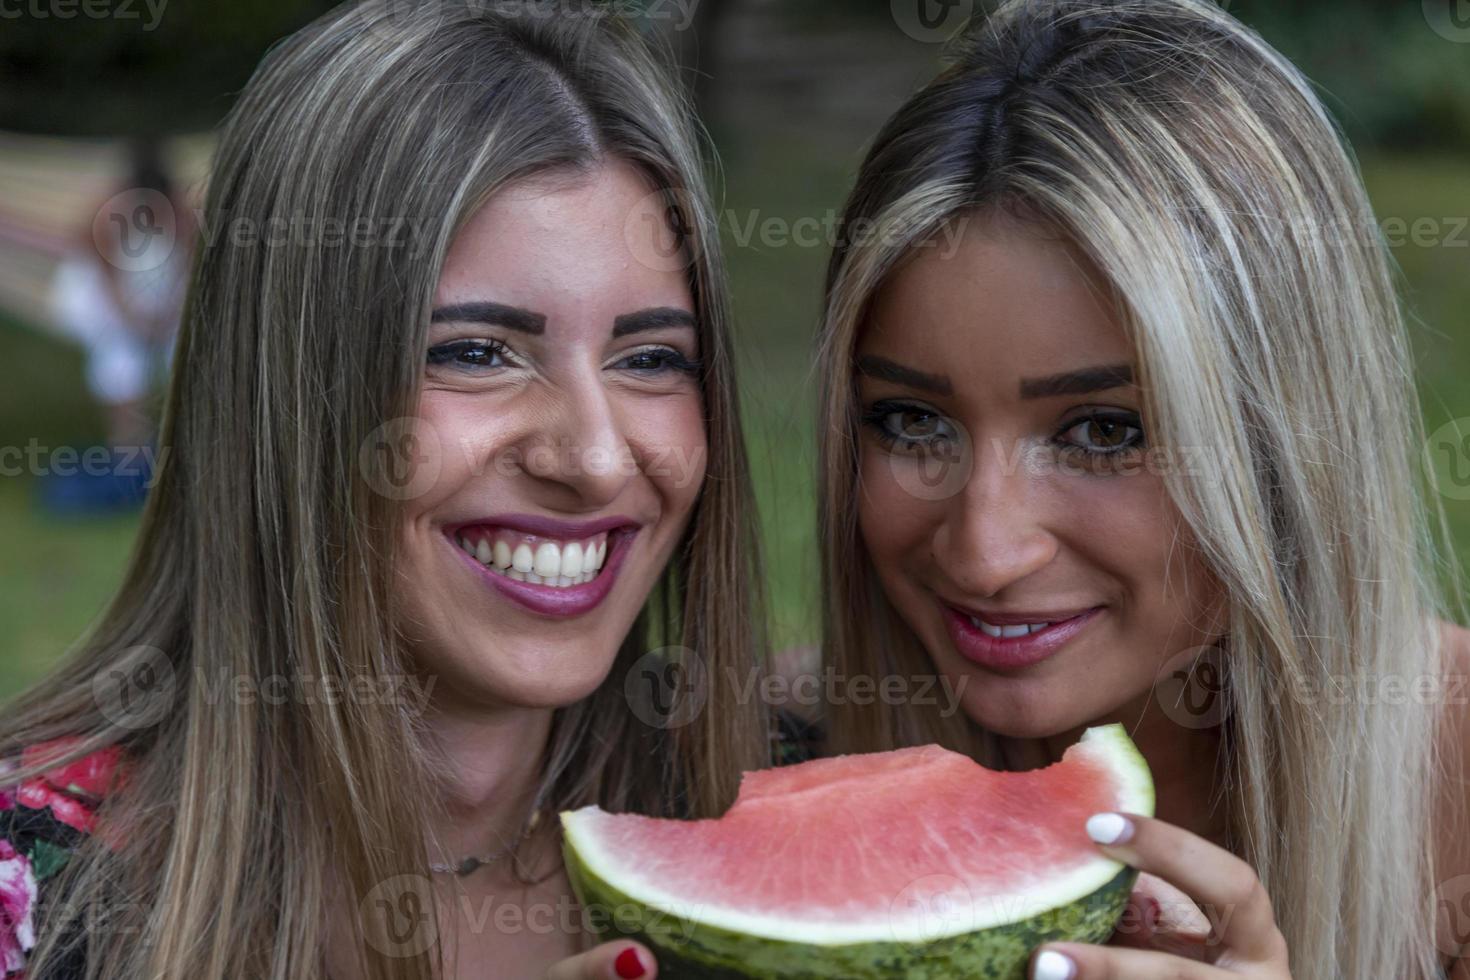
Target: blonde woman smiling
<point>463,477</point>
<point>1152,416</point>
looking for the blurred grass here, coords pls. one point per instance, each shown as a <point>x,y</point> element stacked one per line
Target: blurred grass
<point>58,574</point>
<point>1436,285</point>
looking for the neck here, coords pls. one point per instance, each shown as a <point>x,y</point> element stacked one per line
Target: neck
<point>493,759</point>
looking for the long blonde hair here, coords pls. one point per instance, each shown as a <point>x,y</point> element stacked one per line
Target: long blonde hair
<point>267,546</point>
<point>1198,170</point>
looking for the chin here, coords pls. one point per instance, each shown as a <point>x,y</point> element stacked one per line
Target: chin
<point>526,677</point>
<point>1021,716</point>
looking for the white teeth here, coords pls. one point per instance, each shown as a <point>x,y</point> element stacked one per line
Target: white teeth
<point>985,628</point>
<point>542,562</point>
<point>522,561</point>
<point>571,560</point>
<point>1022,629</point>
<point>548,559</point>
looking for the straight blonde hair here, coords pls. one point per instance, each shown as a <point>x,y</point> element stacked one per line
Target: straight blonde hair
<point>1201,174</point>
<point>267,545</point>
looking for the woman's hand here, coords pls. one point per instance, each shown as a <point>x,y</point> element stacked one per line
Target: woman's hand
<point>621,960</point>
<point>1224,927</point>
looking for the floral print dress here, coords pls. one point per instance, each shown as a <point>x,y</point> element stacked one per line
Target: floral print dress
<point>42,820</point>
<point>45,818</point>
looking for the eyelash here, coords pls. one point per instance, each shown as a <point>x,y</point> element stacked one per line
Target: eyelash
<point>668,357</point>
<point>877,417</point>
<point>1127,421</point>
<point>447,353</point>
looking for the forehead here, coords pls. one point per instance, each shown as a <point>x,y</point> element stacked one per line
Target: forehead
<point>565,239</point>
<point>999,297</point>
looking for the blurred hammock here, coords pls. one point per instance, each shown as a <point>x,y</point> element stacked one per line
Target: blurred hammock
<point>50,190</point>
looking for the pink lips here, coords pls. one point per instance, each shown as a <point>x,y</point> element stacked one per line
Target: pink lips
<point>1012,652</point>
<point>549,600</point>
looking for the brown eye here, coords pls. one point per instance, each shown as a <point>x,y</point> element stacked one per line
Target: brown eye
<point>909,426</point>
<point>1103,434</point>
<point>916,425</point>
<point>1108,433</point>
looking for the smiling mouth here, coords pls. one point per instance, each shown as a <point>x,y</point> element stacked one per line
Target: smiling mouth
<point>539,560</point>
<point>1012,631</point>
<point>1015,625</point>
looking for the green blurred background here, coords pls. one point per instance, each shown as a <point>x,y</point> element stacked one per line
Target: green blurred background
<point>790,90</point>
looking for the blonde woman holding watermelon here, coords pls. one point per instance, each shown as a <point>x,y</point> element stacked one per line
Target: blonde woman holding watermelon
<point>1121,398</point>
<point>444,319</point>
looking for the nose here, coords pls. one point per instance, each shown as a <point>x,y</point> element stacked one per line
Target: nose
<point>579,449</point>
<point>994,534</point>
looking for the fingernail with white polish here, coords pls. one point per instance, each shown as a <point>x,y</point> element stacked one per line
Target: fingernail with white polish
<point>1052,965</point>
<point>1109,828</point>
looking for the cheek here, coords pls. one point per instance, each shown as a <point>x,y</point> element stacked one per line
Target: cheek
<point>1128,527</point>
<point>669,439</point>
<point>896,527</point>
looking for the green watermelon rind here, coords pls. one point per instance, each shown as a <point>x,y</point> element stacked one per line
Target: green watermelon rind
<point>698,950</point>
<point>689,950</point>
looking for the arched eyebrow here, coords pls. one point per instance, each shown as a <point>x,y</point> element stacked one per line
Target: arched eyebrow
<point>1078,382</point>
<point>883,369</point>
<point>652,319</point>
<point>495,314</point>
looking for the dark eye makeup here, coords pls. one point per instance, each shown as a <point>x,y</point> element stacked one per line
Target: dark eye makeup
<point>909,427</point>
<point>480,355</point>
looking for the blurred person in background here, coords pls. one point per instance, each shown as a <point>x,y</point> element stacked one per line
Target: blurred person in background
<point>119,293</point>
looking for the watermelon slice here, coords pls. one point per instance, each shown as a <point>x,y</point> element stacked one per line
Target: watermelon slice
<point>912,863</point>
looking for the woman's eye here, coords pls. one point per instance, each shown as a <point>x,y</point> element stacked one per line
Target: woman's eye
<point>653,360</point>
<point>470,354</point>
<point>910,425</point>
<point>1104,435</point>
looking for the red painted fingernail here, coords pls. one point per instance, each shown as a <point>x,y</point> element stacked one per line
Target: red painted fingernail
<point>629,964</point>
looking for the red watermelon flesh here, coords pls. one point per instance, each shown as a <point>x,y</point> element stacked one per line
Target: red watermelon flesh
<point>843,842</point>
